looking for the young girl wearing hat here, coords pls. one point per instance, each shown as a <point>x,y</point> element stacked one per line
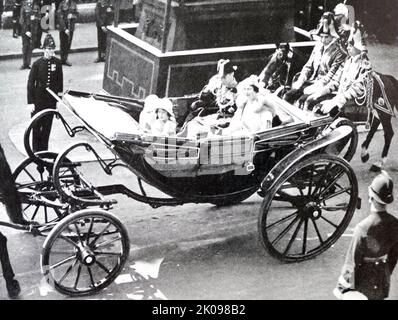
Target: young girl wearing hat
<point>373,251</point>
<point>165,124</point>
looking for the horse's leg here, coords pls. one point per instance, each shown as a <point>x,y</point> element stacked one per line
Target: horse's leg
<point>365,145</point>
<point>12,284</point>
<point>388,135</point>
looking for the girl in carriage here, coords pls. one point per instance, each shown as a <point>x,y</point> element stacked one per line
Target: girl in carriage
<point>165,123</point>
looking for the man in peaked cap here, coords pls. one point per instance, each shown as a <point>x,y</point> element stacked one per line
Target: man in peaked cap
<point>325,60</point>
<point>46,73</point>
<point>373,252</point>
<point>351,79</point>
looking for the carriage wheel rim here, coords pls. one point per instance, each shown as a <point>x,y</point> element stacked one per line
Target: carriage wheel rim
<point>298,224</point>
<point>86,255</point>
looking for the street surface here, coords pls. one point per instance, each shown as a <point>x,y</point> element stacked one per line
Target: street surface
<point>185,252</point>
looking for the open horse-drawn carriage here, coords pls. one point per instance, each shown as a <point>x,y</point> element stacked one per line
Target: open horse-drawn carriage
<point>300,167</point>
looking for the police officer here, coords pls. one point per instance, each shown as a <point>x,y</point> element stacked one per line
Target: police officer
<point>46,73</point>
<point>27,21</point>
<point>373,252</point>
<point>67,15</point>
<point>325,60</point>
<point>104,17</point>
<point>16,15</point>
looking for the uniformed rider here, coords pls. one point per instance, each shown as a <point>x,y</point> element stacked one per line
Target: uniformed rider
<point>46,73</point>
<point>325,60</point>
<point>351,80</point>
<point>104,17</point>
<point>373,252</point>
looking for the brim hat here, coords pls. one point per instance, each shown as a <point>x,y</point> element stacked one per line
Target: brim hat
<point>224,66</point>
<point>252,80</point>
<point>166,105</point>
<point>381,188</point>
<point>48,42</point>
<point>357,36</point>
<point>327,25</point>
<point>151,102</point>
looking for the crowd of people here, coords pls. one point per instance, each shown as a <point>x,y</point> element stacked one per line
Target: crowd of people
<point>33,18</point>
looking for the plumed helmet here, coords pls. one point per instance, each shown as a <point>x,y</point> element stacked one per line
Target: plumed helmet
<point>341,9</point>
<point>48,42</point>
<point>166,105</point>
<point>224,66</point>
<point>327,25</point>
<point>381,188</point>
<point>357,36</point>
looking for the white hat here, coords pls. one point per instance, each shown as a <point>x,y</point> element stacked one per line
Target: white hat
<point>357,36</point>
<point>151,102</point>
<point>341,9</point>
<point>354,295</point>
<point>166,105</point>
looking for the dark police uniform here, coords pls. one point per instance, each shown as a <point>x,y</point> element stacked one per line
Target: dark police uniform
<point>30,13</point>
<point>45,73</point>
<point>16,15</point>
<point>104,17</point>
<point>67,14</point>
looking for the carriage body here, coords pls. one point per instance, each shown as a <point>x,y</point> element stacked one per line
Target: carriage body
<point>300,165</point>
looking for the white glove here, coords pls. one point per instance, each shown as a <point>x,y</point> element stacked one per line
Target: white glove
<point>297,85</point>
<point>31,107</point>
<point>28,34</point>
<point>328,105</point>
<point>67,31</point>
<point>103,29</point>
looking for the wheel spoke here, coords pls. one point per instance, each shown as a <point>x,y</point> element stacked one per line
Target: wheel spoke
<point>102,267</point>
<point>68,270</point>
<point>274,224</point>
<point>311,180</point>
<point>330,222</point>
<point>45,214</point>
<point>78,232</point>
<point>317,231</point>
<point>101,253</point>
<point>335,208</point>
<point>335,194</point>
<point>105,243</point>
<point>100,234</point>
<point>35,213</point>
<point>89,230</point>
<point>79,269</point>
<point>29,175</point>
<point>69,241</point>
<point>305,236</point>
<point>335,179</point>
<point>62,262</point>
<point>91,276</point>
<point>293,237</point>
<point>286,230</point>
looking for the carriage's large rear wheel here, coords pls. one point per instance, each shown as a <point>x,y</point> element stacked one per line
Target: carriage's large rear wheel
<point>85,252</point>
<point>309,208</point>
<point>32,178</point>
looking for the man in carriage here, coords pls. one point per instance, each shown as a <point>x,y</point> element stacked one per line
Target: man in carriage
<point>351,80</point>
<point>326,58</point>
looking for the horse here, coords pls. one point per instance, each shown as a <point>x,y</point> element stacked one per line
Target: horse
<point>10,198</point>
<point>384,99</point>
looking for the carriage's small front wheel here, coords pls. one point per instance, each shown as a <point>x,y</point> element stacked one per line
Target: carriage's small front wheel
<point>309,208</point>
<point>85,252</point>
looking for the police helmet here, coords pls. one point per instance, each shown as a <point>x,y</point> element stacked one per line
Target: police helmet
<point>381,188</point>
